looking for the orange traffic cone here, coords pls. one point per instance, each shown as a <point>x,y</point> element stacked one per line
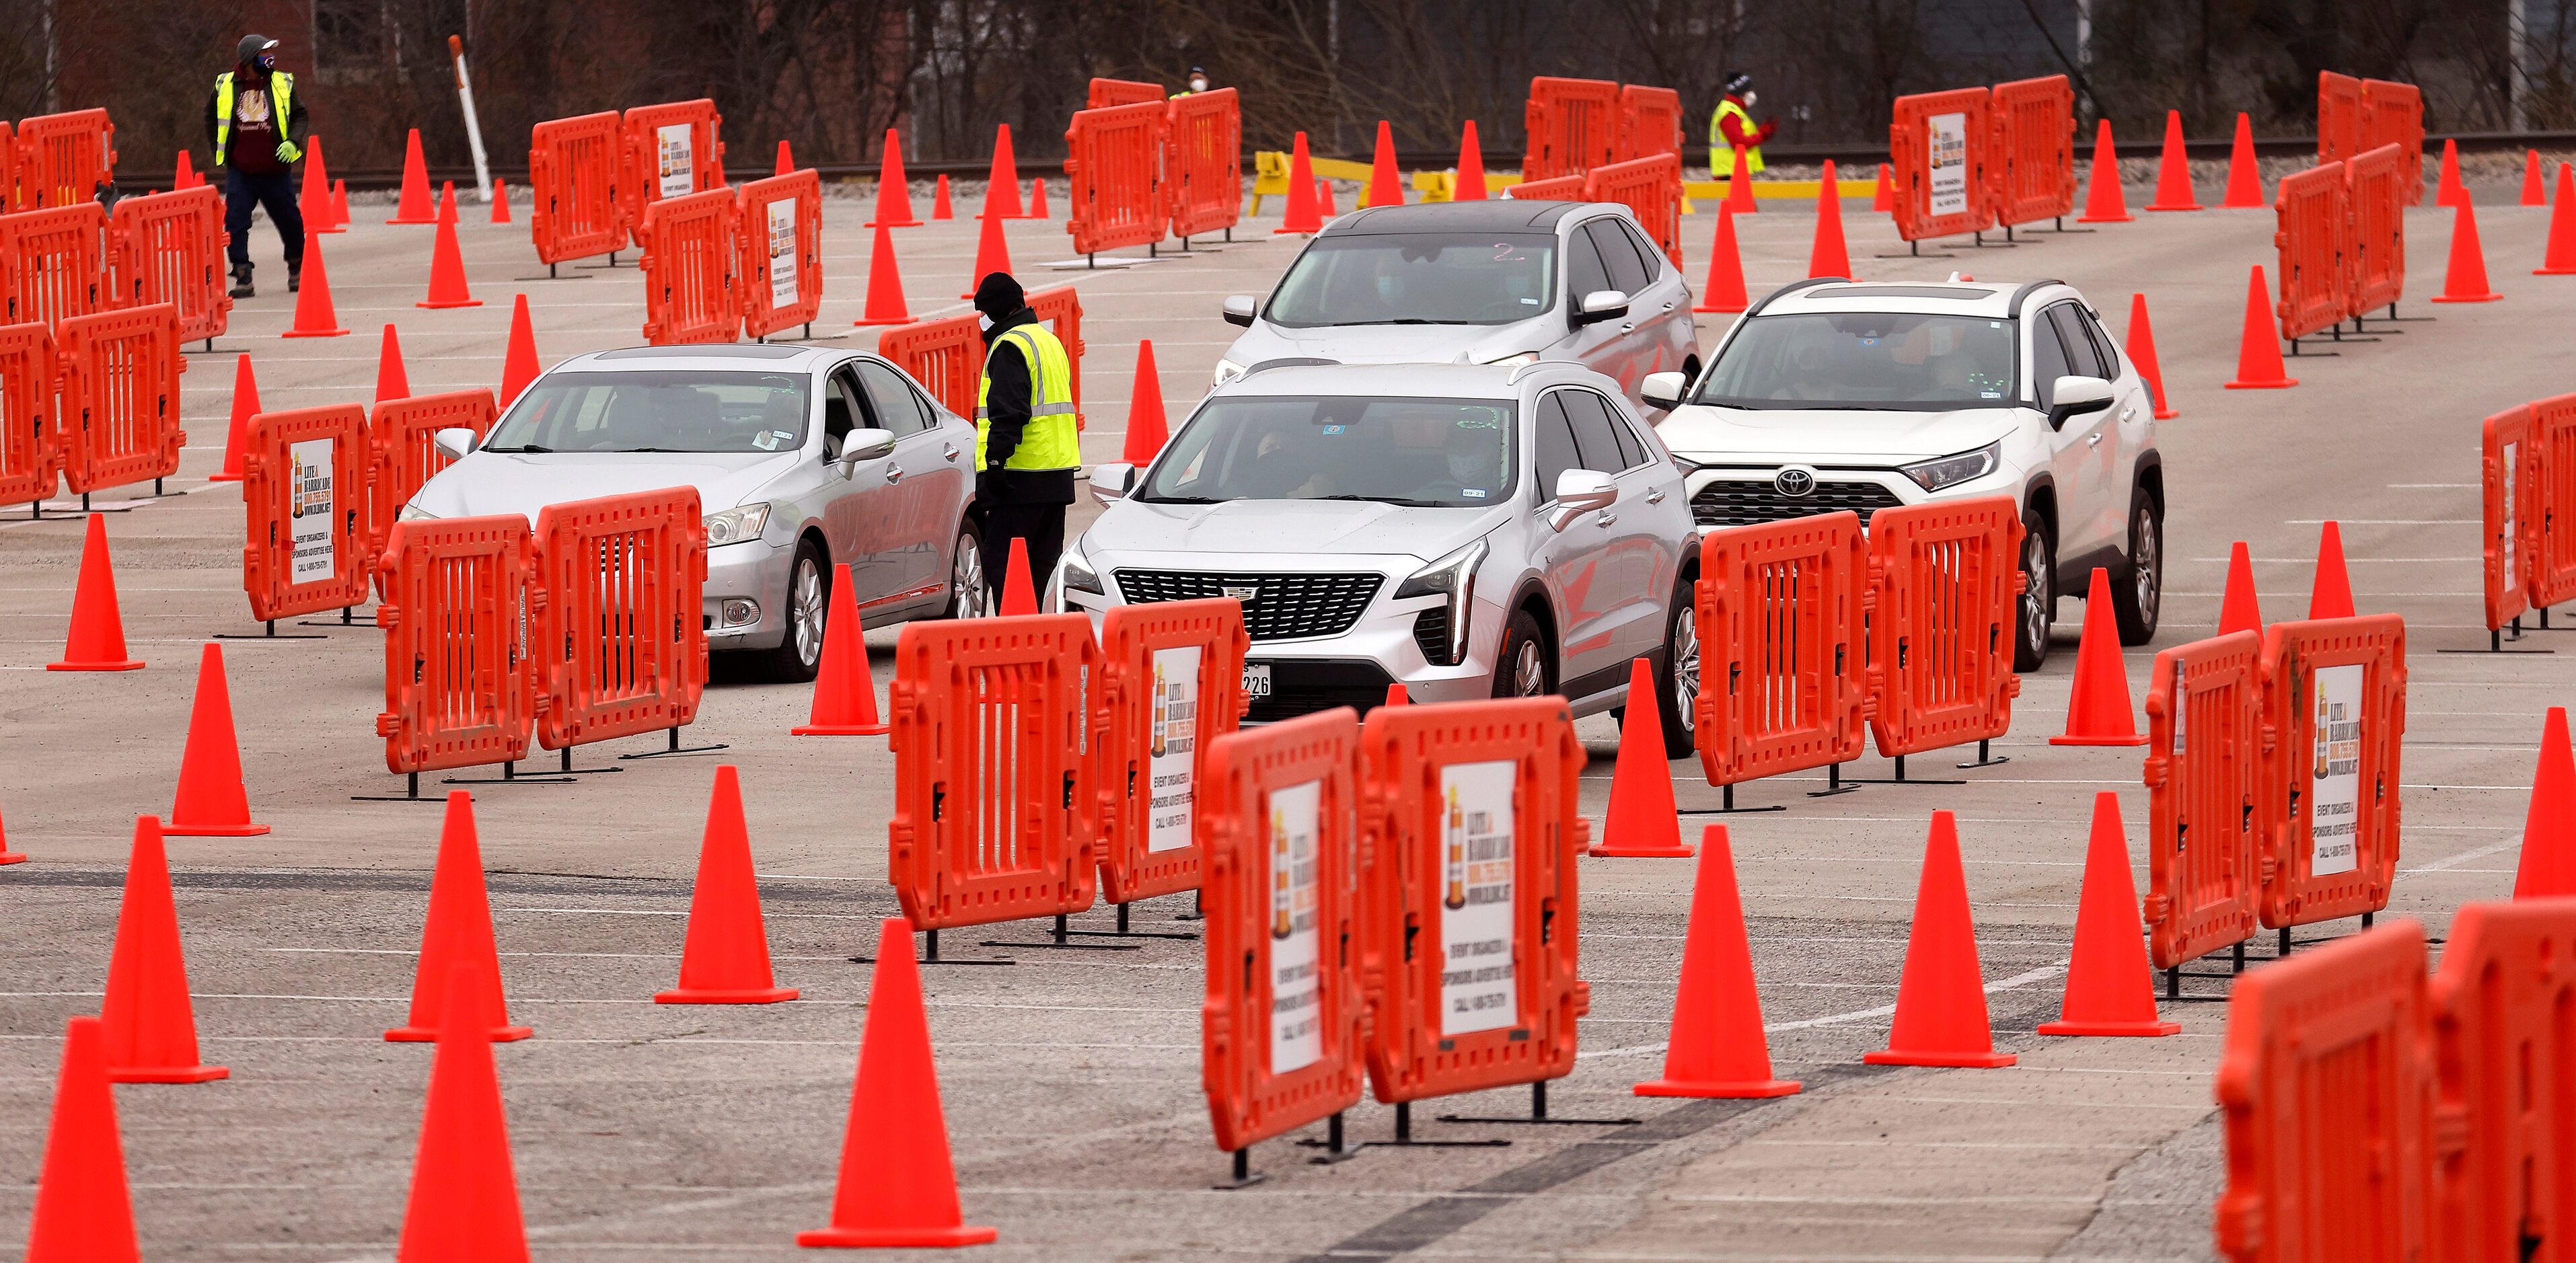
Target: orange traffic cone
<point>340,203</point>
<point>2560,257</point>
<point>1324,198</point>
<point>211,802</point>
<point>2244,171</point>
<point>2239,608</point>
<point>1037,197</point>
<point>939,204</point>
<point>1739,185</point>
<point>446,262</point>
<point>464,1201</point>
<point>1146,428</point>
<point>314,315</point>
<point>457,933</point>
<point>1385,188</point>
<point>2173,172</point>
<point>897,1185</point>
<point>1002,187</point>
<point>1642,822</point>
<point>1882,197</point>
<point>1725,289</point>
<point>84,1212</point>
<point>2258,355</point>
<point>1302,213</point>
<point>1396,696</point>
<point>151,1031</point>
<point>500,200</point>
<point>726,959</point>
<point>2331,597</point>
<point>1828,257</point>
<point>1941,998</point>
<point>313,197</point>
<point>1471,167</point>
<point>786,159</point>
<point>2142,348</point>
<point>2535,188</point>
<point>185,174</point>
<point>885,284</point>
<point>391,381</point>
<point>894,192</point>
<point>245,406</point>
<point>1019,593</point>
<point>1717,1047</point>
<point>2548,866</point>
<point>2104,202</point>
<point>992,250</point>
<point>2097,708</point>
<point>8,856</point>
<point>845,694</point>
<point>415,206</point>
<point>97,638</point>
<point>2466,280</point>
<point>2447,189</point>
<point>519,368</point>
<point>2110,987</point>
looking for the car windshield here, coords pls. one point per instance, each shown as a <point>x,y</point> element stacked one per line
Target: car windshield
<point>1426,278</point>
<point>678,411</point>
<point>1866,360</point>
<point>1422,453</point>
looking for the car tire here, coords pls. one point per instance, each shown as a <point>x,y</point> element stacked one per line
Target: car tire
<point>967,597</point>
<point>1521,668</point>
<point>2038,606</point>
<point>809,591</point>
<point>1677,682</point>
<point>2136,603</point>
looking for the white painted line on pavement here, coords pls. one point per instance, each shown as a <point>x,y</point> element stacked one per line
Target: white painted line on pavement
<point>2014,983</point>
<point>2454,861</point>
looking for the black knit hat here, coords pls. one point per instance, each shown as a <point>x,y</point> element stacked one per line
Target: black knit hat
<point>998,295</point>
<point>1737,81</point>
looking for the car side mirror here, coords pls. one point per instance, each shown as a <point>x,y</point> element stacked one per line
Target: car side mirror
<point>453,442</point>
<point>2076,396</point>
<point>866,444</point>
<point>1580,491</point>
<point>1240,308</point>
<point>1112,481</point>
<point>1600,305</point>
<point>1663,390</point>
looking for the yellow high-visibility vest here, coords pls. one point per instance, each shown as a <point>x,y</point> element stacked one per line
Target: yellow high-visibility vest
<point>1048,441</point>
<point>281,97</point>
<point>1721,157</point>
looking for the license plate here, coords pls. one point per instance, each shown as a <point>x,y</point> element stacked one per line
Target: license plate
<point>1256,679</point>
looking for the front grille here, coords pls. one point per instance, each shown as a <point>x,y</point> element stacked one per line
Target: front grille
<point>1303,687</point>
<point>1286,607</point>
<point>1431,632</point>
<point>1727,502</point>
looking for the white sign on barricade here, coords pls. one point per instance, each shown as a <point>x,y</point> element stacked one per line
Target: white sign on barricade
<point>312,509</point>
<point>2334,800</point>
<point>782,252</point>
<point>1949,164</point>
<point>678,167</point>
<point>1296,988</point>
<point>1172,762</point>
<point>1479,832</point>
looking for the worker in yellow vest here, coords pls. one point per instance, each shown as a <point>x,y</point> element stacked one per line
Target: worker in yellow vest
<point>1026,448</point>
<point>1732,128</point>
<point>255,121</point>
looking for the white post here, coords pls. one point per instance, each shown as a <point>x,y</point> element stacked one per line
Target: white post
<point>473,126</point>
<point>2517,26</point>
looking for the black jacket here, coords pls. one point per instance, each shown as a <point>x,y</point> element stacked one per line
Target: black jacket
<point>1006,418</point>
<point>291,128</point>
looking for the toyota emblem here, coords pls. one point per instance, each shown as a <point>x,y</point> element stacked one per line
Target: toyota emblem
<point>1794,482</point>
<point>1246,594</point>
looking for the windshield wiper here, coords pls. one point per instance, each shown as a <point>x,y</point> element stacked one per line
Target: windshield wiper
<point>1394,500</point>
<point>526,447</point>
<point>1179,500</point>
<point>1398,320</point>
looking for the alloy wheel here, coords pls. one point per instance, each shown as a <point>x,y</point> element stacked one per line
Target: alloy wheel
<point>966,597</point>
<point>2034,602</point>
<point>1685,649</point>
<point>2146,564</point>
<point>805,610</point>
<point>1529,671</point>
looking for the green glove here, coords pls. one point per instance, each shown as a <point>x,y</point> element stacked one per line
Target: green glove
<point>287,152</point>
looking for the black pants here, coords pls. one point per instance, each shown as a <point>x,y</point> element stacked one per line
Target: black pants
<point>1039,526</point>
<point>276,191</point>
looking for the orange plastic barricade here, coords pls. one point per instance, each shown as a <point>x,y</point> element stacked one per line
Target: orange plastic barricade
<point>2502,1157</point>
<point>1203,163</point>
<point>1780,609</point>
<point>459,687</point>
<point>671,151</point>
<point>1113,161</point>
<point>118,420</point>
<point>780,222</point>
<point>2339,117</point>
<point>52,263</point>
<point>402,452</point>
<point>2032,162</point>
<point>1944,578</point>
<point>1171,683</point>
<point>1282,1024</point>
<point>304,501</point>
<point>2511,482</point>
<point>2375,236</point>
<point>28,461</point>
<point>2550,576</point>
<point>1109,92</point>
<point>576,174</point>
<point>1937,153</point>
<point>65,159</point>
<point>1563,188</point>
<point>621,646</point>
<point>692,292</point>
<point>2334,704</point>
<point>2310,211</point>
<point>9,169</point>
<point>945,356</point>
<point>994,813</point>
<point>169,248</point>
<point>1573,127</point>
<point>2204,761</point>
<point>1652,187</point>
<point>2326,1083</point>
<point>1061,309</point>
<point>1650,123</point>
<point>2393,114</point>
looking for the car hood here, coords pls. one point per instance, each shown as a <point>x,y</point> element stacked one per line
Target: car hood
<point>1398,344</point>
<point>1288,528</point>
<point>522,483</point>
<point>1711,435</point>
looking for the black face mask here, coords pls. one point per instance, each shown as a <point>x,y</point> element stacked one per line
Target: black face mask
<point>264,63</point>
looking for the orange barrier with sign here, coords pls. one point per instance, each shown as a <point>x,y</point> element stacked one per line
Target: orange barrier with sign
<point>1060,309</point>
<point>169,248</point>
<point>692,292</point>
<point>1468,912</point>
<point>1652,187</point>
<point>1944,579</point>
<point>307,543</point>
<point>2510,482</point>
<point>1171,683</point>
<point>1563,188</point>
<point>577,176</point>
<point>118,419</point>
<point>1282,1024</point>
<point>2375,234</point>
<point>1573,126</point>
<point>1113,161</point>
<point>1112,92</point>
<point>2502,1157</point>
<point>8,169</point>
<point>459,686</point>
<point>1650,123</point>
<point>945,356</point>
<point>672,150</point>
<point>1937,155</point>
<point>65,159</point>
<point>28,461</point>
<point>1203,163</point>
<point>2334,704</point>
<point>2551,573</point>
<point>621,646</point>
<point>2339,117</point>
<point>2310,211</point>
<point>402,452</point>
<point>2032,161</point>
<point>2325,1083</point>
<point>1780,609</point>
<point>52,264</point>
<point>2203,767</point>
<point>780,225</point>
<point>2393,114</point>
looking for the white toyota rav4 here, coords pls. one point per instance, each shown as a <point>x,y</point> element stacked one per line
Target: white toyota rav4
<point>1831,394</point>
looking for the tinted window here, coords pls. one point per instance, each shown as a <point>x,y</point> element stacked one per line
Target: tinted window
<point>1418,452</point>
<point>1647,251</point>
<point>896,407</point>
<point>1632,452</point>
<point>1418,278</point>
<point>1595,436</point>
<point>2047,361</point>
<point>2085,361</point>
<point>1627,271</point>
<point>2102,345</point>
<point>1556,450</point>
<point>1871,360</point>
<point>1584,273</point>
<point>841,408</point>
<point>676,411</point>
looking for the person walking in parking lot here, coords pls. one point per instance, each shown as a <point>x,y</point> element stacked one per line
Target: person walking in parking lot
<point>1732,126</point>
<point>1025,446</point>
<point>255,121</point>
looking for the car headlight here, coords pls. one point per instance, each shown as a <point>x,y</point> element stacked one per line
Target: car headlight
<point>1515,361</point>
<point>1076,574</point>
<point>413,513</point>
<point>1454,577</point>
<point>733,526</point>
<point>1227,370</point>
<point>1949,471</point>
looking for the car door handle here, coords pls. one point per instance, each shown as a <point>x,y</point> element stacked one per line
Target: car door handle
<point>1607,518</point>
<point>894,474</point>
<point>2094,439</point>
<point>948,450</point>
<point>2128,414</point>
<point>1655,496</point>
<point>1668,306</point>
<point>1630,327</point>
